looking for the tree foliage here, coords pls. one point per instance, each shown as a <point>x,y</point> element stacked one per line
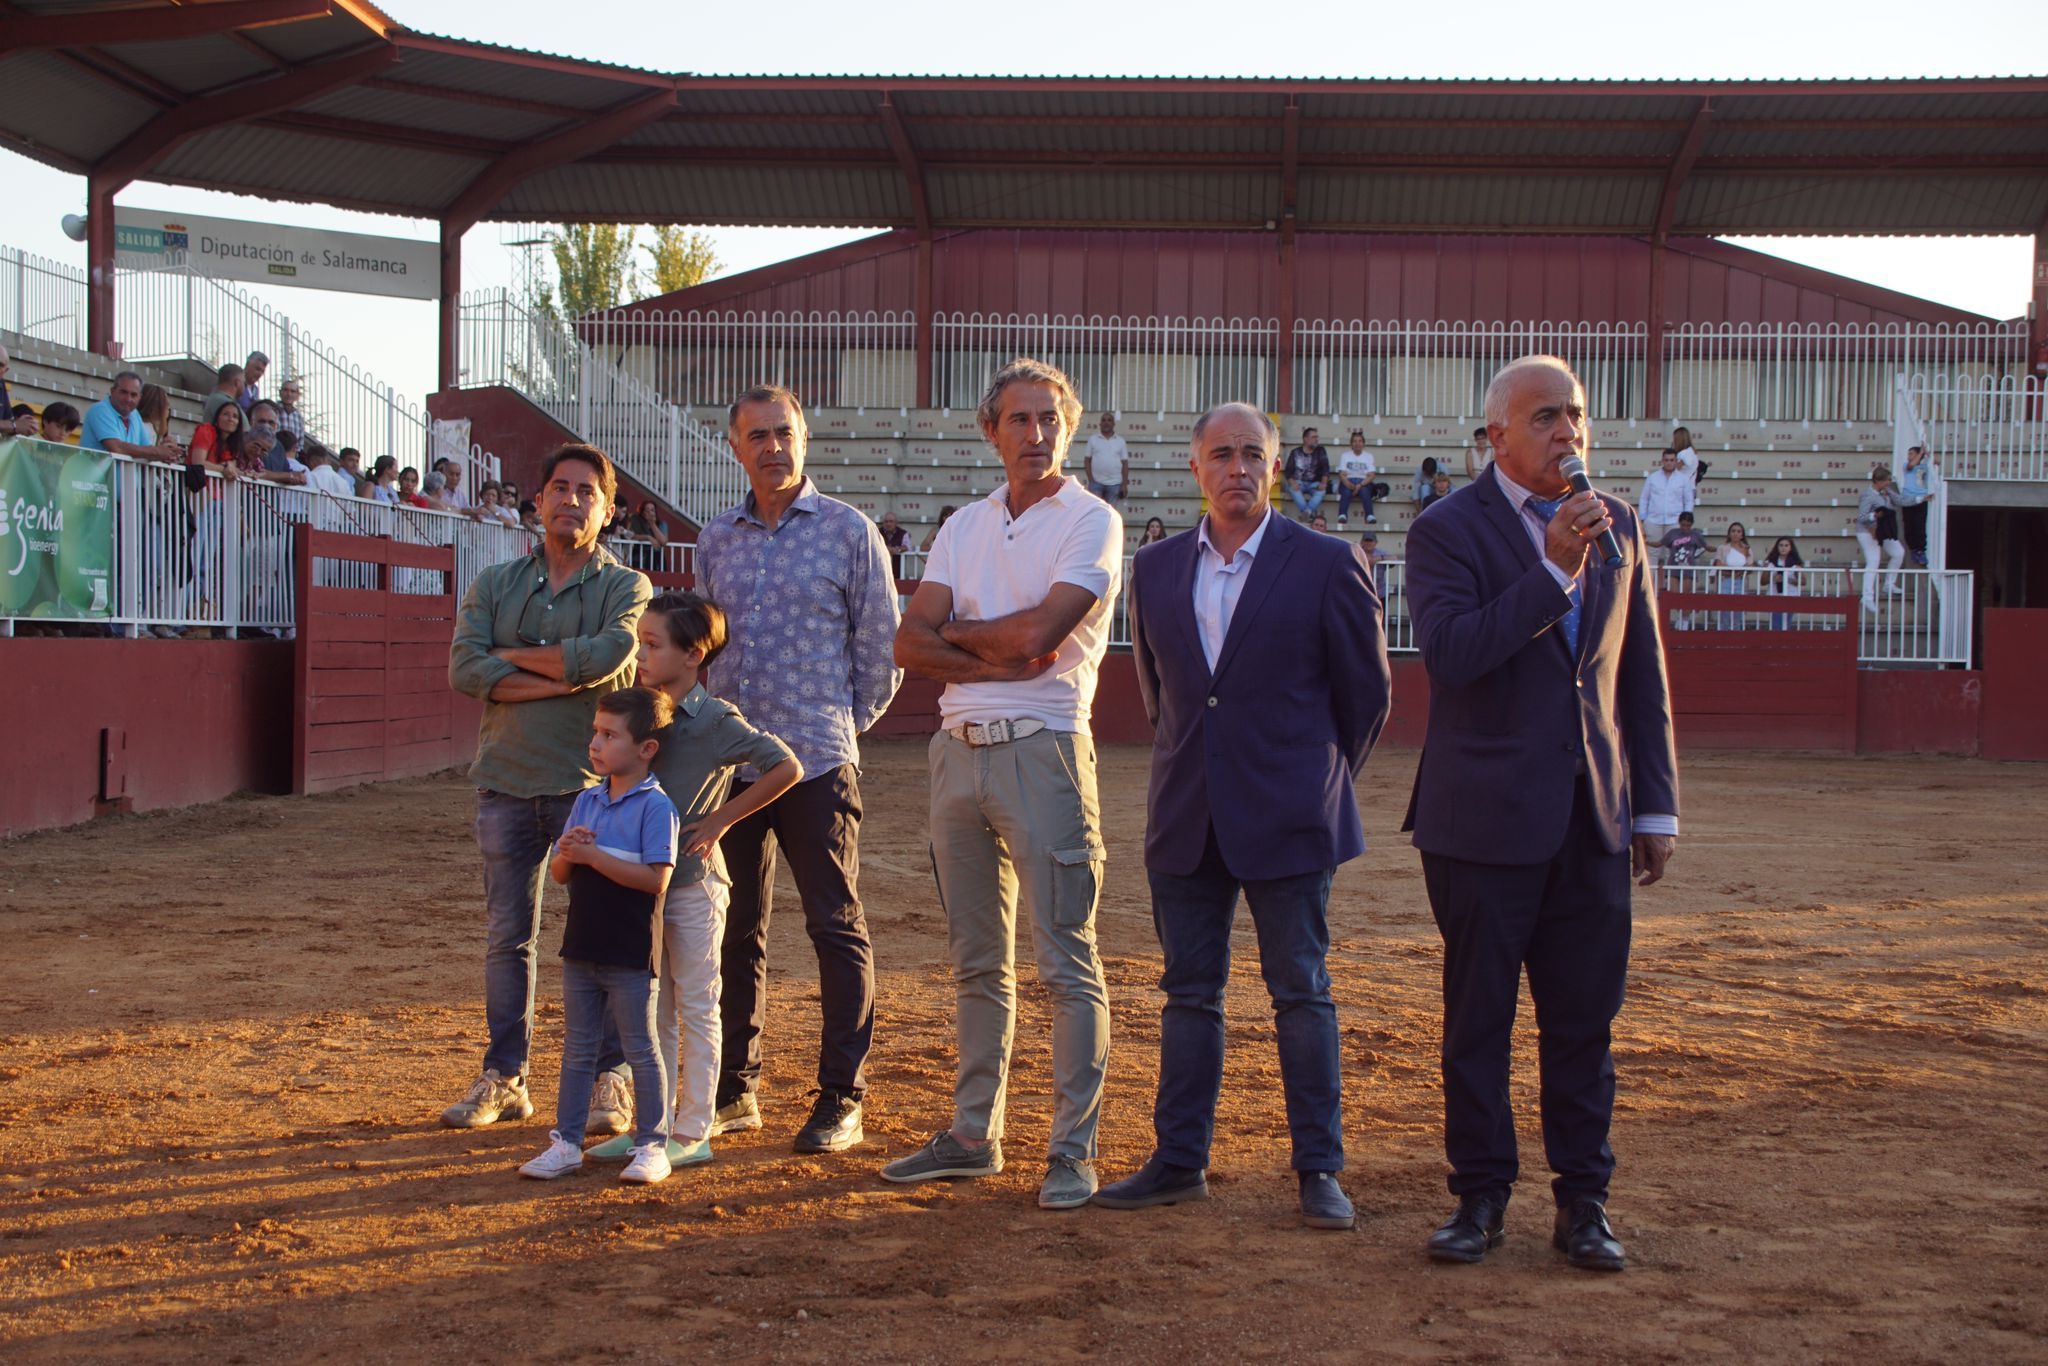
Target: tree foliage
<point>681,257</point>
<point>593,268</point>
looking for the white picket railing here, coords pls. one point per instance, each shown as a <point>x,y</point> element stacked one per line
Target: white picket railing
<point>1988,427</point>
<point>1835,372</point>
<point>1910,616</point>
<point>1442,368</point>
<point>178,315</point>
<point>1119,364</point>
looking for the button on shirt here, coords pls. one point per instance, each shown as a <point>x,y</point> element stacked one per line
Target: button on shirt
<point>1220,583</point>
<point>1518,497</point>
<point>996,564</point>
<point>813,614</point>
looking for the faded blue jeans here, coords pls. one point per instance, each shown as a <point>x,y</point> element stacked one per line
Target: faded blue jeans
<point>515,835</point>
<point>598,998</point>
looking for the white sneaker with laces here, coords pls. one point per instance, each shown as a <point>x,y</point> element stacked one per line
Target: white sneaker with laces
<point>489,1099</point>
<point>648,1165</point>
<point>562,1158</point>
<point>611,1105</point>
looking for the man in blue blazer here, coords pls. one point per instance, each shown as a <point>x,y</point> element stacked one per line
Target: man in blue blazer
<point>1262,660</point>
<point>1548,776</point>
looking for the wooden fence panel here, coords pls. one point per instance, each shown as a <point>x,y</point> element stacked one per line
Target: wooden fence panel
<point>1761,688</point>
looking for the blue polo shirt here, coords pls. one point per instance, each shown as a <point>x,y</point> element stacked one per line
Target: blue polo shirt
<point>103,422</point>
<point>610,924</point>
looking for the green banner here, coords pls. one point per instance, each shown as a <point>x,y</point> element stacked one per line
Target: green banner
<point>56,531</point>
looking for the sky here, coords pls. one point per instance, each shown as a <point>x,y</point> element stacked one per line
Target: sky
<point>1594,39</point>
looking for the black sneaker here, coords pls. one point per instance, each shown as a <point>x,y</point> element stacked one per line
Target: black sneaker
<point>834,1125</point>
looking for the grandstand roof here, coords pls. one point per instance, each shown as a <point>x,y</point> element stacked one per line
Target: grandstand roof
<point>334,102</point>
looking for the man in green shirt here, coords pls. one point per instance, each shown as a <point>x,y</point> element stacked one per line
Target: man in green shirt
<point>540,639</point>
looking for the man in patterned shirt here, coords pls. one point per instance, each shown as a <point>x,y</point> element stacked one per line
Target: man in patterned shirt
<point>805,585</point>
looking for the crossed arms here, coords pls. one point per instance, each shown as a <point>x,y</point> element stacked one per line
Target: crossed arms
<point>1007,649</point>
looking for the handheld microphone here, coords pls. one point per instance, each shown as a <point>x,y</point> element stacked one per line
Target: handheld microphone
<point>1574,470</point>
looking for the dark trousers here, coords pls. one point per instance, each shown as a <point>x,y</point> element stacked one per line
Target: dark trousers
<point>1916,528</point>
<point>1567,922</point>
<point>1346,493</point>
<point>817,823</point>
<point>1193,915</point>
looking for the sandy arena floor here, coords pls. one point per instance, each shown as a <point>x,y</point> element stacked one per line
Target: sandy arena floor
<point>225,1034</point>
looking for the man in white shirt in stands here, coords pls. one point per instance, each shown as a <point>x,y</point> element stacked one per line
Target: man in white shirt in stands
<point>1013,615</point>
<point>1109,462</point>
<point>1668,492</point>
<point>1356,469</point>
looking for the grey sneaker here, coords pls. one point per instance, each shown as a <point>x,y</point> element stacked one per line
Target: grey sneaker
<point>1069,1183</point>
<point>943,1157</point>
<point>611,1105</point>
<point>489,1099</point>
<point>744,1113</point>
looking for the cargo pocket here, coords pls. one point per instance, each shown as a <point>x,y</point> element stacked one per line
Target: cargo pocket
<point>1076,882</point>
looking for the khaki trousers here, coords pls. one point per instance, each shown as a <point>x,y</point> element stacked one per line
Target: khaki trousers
<point>1009,823</point>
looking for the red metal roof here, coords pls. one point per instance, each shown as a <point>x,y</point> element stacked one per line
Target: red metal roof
<point>332,101</point>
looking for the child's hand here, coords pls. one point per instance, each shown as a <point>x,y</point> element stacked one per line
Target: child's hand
<point>699,837</point>
<point>580,834</point>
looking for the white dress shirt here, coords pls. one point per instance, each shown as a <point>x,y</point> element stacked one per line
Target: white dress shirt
<point>1219,583</point>
<point>1665,496</point>
<point>1646,823</point>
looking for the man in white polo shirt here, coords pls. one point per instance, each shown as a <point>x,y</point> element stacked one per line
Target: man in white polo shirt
<point>1013,616</point>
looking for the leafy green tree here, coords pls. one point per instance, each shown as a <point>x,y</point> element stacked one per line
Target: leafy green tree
<point>593,268</point>
<point>681,257</point>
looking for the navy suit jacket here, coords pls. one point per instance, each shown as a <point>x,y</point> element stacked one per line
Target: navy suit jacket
<point>1267,747</point>
<point>1512,712</point>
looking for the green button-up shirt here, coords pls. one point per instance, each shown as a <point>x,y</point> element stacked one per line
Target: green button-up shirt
<point>542,748</point>
<point>699,751</point>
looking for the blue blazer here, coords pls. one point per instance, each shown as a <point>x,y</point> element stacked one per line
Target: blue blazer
<point>1267,747</point>
<point>1512,712</point>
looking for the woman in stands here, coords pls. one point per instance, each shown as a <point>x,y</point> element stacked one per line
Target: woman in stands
<point>1155,530</point>
<point>933,534</point>
<point>155,411</point>
<point>1734,554</point>
<point>647,521</point>
<point>1784,562</point>
<point>219,442</point>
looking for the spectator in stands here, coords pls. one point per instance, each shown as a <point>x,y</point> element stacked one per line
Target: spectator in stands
<point>253,370</point>
<point>1667,492</point>
<point>1733,555</point>
<point>366,490</point>
<point>805,585</point>
<point>529,517</point>
<point>490,505</point>
<point>1684,547</point>
<point>1308,474</point>
<point>932,535</point>
<point>1915,489</point>
<point>1369,542</point>
<point>289,417</point>
<point>24,420</point>
<point>218,440</point>
<point>1681,443</point>
<point>1477,454</point>
<point>59,423</point>
<point>453,495</point>
<point>384,480</point>
<point>323,474</point>
<point>112,425</point>
<point>1425,481</point>
<point>1439,488</point>
<point>263,416</point>
<point>409,489</point>
<point>1782,581</point>
<point>1877,528</point>
<point>1319,523</point>
<point>508,493</point>
<point>1356,471</point>
<point>434,491</point>
<point>1155,530</point>
<point>154,408</point>
<point>1109,462</point>
<point>895,540</point>
<point>647,522</point>
<point>273,461</point>
<point>227,388</point>
<point>351,461</point>
<point>6,370</point>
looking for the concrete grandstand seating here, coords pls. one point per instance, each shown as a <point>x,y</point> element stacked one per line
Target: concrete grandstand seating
<point>45,372</point>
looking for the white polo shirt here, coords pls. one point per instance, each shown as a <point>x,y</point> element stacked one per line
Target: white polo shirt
<point>1106,456</point>
<point>995,565</point>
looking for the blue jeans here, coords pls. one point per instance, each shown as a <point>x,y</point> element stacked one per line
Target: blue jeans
<point>1308,499</point>
<point>514,834</point>
<point>1192,915</point>
<point>597,997</point>
<point>1345,493</point>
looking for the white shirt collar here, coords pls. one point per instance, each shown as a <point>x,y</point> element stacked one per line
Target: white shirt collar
<point>1249,549</point>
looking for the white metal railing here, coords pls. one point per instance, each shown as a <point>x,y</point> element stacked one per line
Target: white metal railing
<point>649,437</point>
<point>696,358</point>
<point>1442,368</point>
<point>1839,372</point>
<point>220,555</point>
<point>1909,616</point>
<point>1992,427</point>
<point>178,315</point>
<point>1124,364</point>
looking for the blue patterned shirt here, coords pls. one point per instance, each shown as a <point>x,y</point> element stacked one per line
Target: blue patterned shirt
<point>813,615</point>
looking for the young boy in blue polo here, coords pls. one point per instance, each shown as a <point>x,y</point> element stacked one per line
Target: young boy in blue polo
<point>681,633</point>
<point>615,854</point>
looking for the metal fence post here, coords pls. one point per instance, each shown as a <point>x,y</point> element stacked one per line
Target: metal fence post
<point>390,420</point>
<point>675,455</point>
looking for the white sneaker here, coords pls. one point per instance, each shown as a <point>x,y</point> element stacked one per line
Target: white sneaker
<point>649,1165</point>
<point>611,1105</point>
<point>489,1099</point>
<point>562,1158</point>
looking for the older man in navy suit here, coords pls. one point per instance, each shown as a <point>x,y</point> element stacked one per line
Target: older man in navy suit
<point>1262,660</point>
<point>1548,776</point>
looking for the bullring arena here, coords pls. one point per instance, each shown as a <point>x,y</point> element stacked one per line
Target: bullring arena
<point>241,911</point>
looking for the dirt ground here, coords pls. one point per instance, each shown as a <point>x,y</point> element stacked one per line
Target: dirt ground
<point>225,1034</point>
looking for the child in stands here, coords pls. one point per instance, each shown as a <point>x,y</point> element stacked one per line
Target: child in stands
<point>615,854</point>
<point>681,633</point>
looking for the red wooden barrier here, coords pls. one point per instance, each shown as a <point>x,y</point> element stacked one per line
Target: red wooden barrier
<point>1761,688</point>
<point>371,667</point>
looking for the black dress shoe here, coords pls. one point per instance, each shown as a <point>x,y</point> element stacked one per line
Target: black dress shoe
<point>1478,1226</point>
<point>834,1125</point>
<point>1585,1239</point>
<point>1324,1203</point>
<point>1155,1183</point>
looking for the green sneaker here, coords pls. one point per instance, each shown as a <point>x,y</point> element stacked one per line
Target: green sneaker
<point>679,1154</point>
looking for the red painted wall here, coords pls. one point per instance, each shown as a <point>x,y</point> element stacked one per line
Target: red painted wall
<point>1339,276</point>
<point>1918,711</point>
<point>2015,661</point>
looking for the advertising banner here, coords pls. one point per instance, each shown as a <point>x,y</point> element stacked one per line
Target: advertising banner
<point>56,531</point>
<point>272,254</point>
